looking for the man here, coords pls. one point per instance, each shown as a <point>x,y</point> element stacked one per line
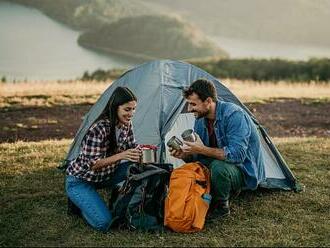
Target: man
<point>228,144</point>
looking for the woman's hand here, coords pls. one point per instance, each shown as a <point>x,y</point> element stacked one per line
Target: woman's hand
<point>131,155</point>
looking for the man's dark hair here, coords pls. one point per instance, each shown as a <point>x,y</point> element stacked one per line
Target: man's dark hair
<point>203,88</point>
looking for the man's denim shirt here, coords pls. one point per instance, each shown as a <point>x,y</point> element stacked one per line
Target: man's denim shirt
<point>237,135</point>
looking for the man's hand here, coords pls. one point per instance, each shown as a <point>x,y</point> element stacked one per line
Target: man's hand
<point>193,147</point>
<point>177,153</point>
<point>199,139</point>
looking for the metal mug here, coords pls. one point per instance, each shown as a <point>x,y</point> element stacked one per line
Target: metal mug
<point>189,135</point>
<point>149,154</point>
<point>175,143</point>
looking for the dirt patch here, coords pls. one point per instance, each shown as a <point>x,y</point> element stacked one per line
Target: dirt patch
<point>280,117</point>
<point>40,123</point>
<point>291,117</point>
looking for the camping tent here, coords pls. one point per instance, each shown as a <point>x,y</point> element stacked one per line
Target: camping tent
<point>160,114</point>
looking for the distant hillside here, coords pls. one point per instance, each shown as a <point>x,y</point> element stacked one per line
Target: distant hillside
<point>95,13</point>
<point>87,14</point>
<point>60,10</point>
<point>285,21</point>
<point>151,37</point>
<point>130,28</point>
<point>304,22</point>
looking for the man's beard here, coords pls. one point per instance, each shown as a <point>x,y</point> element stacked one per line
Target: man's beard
<point>200,115</point>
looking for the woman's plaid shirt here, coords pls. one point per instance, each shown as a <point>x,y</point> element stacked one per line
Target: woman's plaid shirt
<point>95,146</point>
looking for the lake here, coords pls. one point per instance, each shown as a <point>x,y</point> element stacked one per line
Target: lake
<point>238,48</point>
<point>35,47</point>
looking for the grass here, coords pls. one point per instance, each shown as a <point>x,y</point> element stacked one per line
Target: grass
<point>50,93</point>
<point>250,91</point>
<point>16,102</point>
<point>33,204</point>
<point>53,88</point>
<point>77,92</point>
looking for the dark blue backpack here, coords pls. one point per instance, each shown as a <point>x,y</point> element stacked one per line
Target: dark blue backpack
<point>140,202</point>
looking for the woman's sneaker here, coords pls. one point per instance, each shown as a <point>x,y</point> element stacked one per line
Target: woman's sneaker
<point>73,210</point>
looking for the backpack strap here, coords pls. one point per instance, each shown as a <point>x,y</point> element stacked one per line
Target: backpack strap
<point>204,184</point>
<point>149,170</point>
<point>134,174</point>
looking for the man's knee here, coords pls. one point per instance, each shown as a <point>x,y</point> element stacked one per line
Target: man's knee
<point>219,170</point>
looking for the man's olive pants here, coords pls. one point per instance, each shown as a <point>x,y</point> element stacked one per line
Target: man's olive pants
<point>226,179</point>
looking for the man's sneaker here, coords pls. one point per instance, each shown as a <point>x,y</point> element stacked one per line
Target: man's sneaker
<point>220,210</point>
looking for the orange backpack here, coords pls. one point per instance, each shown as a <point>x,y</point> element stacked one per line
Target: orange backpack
<point>188,198</point>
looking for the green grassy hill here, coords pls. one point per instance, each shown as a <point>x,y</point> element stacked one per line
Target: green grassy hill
<point>151,37</point>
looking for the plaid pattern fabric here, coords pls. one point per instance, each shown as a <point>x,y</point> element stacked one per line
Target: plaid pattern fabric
<point>95,146</point>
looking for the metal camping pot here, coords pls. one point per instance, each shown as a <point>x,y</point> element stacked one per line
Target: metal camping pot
<point>189,135</point>
<point>175,143</point>
<point>149,154</point>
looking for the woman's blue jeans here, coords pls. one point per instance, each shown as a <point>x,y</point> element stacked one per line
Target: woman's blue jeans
<point>85,196</point>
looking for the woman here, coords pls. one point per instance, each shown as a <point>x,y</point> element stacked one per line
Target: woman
<point>108,143</point>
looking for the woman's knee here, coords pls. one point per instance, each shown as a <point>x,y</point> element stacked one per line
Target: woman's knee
<point>103,223</point>
<point>99,220</point>
<point>93,208</point>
